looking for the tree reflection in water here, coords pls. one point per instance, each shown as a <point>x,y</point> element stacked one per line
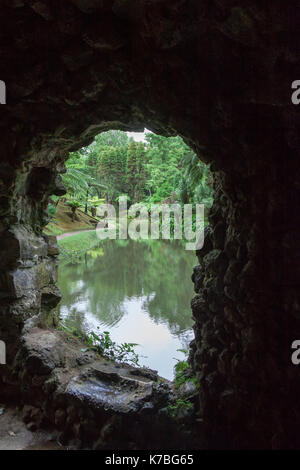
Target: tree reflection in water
<point>139,290</point>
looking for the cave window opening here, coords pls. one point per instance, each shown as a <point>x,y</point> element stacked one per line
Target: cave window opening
<point>123,293</point>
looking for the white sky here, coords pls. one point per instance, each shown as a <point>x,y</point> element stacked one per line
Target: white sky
<point>138,136</point>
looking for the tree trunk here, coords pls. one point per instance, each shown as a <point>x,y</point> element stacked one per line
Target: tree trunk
<point>86,201</point>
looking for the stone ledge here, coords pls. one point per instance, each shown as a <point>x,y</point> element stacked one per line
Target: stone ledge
<point>92,401</point>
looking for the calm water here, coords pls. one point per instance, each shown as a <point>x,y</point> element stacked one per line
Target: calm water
<point>139,291</point>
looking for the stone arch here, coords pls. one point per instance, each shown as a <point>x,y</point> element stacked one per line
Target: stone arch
<point>218,74</point>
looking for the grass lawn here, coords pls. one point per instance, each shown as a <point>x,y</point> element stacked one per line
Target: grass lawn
<point>80,242</point>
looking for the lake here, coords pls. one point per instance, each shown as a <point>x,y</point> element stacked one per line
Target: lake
<point>139,291</point>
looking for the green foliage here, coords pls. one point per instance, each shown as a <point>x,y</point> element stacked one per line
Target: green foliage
<point>80,178</point>
<point>163,155</point>
<point>160,170</point>
<point>112,138</point>
<point>180,368</point>
<point>55,199</point>
<point>52,210</point>
<point>136,171</point>
<point>112,171</point>
<point>196,182</point>
<point>103,345</point>
<point>182,405</point>
<point>179,408</point>
<point>74,204</point>
<point>74,181</point>
<point>183,372</point>
<point>176,172</point>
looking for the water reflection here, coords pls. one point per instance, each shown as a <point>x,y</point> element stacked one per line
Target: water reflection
<point>138,290</point>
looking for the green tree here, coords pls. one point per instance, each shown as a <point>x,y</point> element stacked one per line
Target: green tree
<point>196,184</point>
<point>79,178</point>
<point>113,138</point>
<point>112,171</point>
<point>74,206</point>
<point>136,171</point>
<point>164,156</point>
<point>162,168</point>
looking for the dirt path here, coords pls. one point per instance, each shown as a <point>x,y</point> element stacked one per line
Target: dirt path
<point>69,234</point>
<point>14,434</point>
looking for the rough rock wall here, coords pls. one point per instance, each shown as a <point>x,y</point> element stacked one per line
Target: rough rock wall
<point>218,73</point>
<point>246,309</point>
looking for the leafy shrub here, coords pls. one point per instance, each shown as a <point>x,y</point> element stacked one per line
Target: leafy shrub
<point>74,204</point>
<point>179,408</point>
<point>104,346</point>
<point>180,377</point>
